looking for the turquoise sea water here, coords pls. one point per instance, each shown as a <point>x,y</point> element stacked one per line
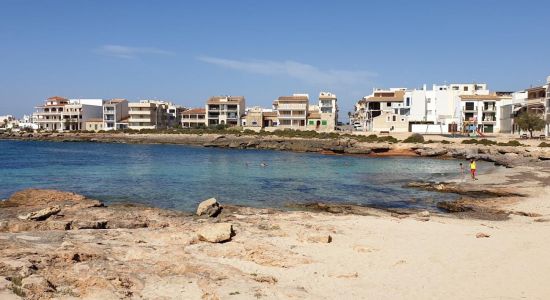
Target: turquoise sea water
<point>179,177</point>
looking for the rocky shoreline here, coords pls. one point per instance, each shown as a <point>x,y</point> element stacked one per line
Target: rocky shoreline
<point>508,156</point>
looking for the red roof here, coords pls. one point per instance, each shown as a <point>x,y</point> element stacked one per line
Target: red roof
<point>57,98</point>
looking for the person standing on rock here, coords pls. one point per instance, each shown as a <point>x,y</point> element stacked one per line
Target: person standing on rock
<point>473,168</point>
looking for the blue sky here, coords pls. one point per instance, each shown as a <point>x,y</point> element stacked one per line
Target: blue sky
<point>187,51</point>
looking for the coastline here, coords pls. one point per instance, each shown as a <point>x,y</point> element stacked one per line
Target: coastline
<point>508,156</point>
<point>496,235</point>
<point>91,251</point>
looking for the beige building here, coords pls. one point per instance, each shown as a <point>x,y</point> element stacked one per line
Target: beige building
<point>147,115</point>
<point>193,118</point>
<point>390,122</point>
<point>225,110</point>
<point>94,125</point>
<point>292,111</point>
<point>61,114</point>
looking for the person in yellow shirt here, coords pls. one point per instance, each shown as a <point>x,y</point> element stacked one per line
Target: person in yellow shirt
<point>473,168</point>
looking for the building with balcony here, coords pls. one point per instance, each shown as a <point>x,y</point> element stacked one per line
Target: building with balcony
<point>193,118</point>
<point>61,114</point>
<point>292,111</point>
<point>482,111</point>
<point>174,113</point>
<point>225,110</point>
<point>115,114</point>
<point>147,114</point>
<point>328,112</point>
<point>376,104</point>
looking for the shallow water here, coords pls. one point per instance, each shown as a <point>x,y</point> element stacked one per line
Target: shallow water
<point>179,177</point>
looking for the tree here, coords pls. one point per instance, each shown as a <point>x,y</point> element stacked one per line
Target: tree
<point>530,122</point>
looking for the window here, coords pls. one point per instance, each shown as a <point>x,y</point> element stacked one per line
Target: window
<point>465,88</point>
<point>311,122</point>
<point>408,102</point>
<point>394,118</point>
<point>402,120</point>
<point>429,100</point>
<point>324,122</point>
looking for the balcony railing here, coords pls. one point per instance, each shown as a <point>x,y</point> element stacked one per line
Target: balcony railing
<point>470,108</point>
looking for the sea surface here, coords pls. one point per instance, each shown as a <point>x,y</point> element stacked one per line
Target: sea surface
<point>179,177</point>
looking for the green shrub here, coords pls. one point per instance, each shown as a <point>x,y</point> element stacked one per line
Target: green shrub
<point>445,142</point>
<point>511,143</point>
<point>544,144</point>
<point>414,138</point>
<point>485,142</point>
<point>388,139</point>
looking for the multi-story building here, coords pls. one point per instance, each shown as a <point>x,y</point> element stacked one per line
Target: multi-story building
<point>48,116</point>
<point>482,113</point>
<point>115,114</point>
<point>79,111</point>
<point>174,113</point>
<point>380,103</point>
<point>147,114</point>
<point>59,113</point>
<point>225,110</point>
<point>292,111</point>
<point>193,118</point>
<point>328,112</point>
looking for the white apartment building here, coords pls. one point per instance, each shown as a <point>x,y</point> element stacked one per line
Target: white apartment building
<point>147,114</point>
<point>59,113</point>
<point>292,111</point>
<point>440,105</point>
<point>482,113</point>
<point>225,110</point>
<point>115,114</point>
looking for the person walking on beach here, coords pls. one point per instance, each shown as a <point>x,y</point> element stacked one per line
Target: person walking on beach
<point>462,174</point>
<point>473,168</point>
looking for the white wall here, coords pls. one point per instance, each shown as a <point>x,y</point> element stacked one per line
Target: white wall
<point>430,129</point>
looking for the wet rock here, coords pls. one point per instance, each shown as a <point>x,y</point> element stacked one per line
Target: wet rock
<point>216,233</point>
<point>357,150</point>
<point>42,214</point>
<point>431,152</point>
<point>209,207</point>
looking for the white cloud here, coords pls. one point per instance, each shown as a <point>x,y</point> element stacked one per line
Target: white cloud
<point>129,52</point>
<point>296,70</point>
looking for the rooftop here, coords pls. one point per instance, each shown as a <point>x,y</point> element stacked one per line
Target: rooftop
<point>194,111</point>
<point>481,97</point>
<point>224,99</point>
<point>385,96</point>
<point>293,98</point>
